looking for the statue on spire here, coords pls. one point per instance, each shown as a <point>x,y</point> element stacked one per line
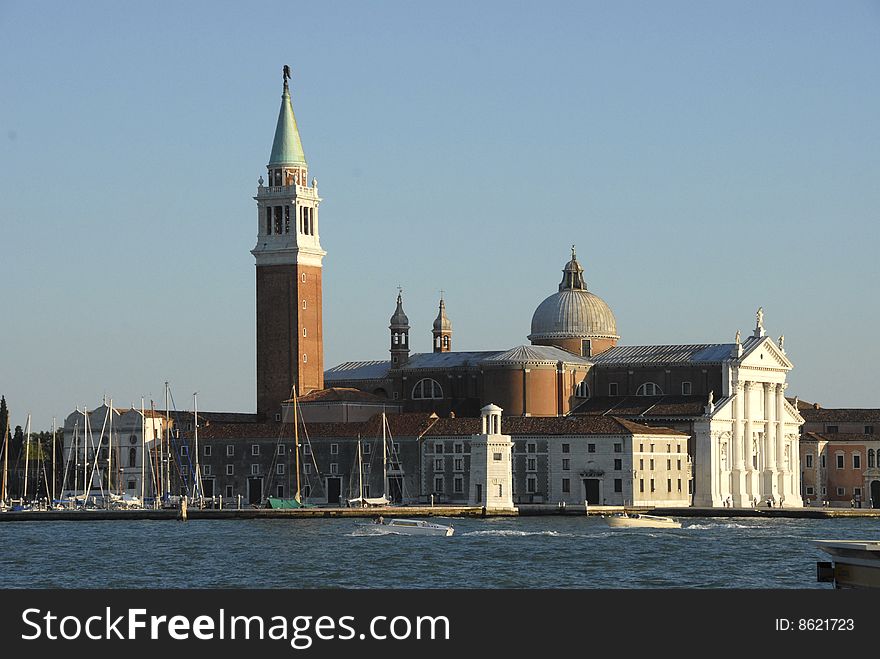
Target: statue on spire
<point>285,72</point>
<point>760,317</point>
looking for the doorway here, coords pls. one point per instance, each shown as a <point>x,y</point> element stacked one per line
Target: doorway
<point>875,494</point>
<point>255,491</point>
<point>395,488</point>
<point>591,490</point>
<point>334,490</point>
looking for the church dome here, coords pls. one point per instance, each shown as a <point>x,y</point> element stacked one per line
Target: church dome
<point>573,312</point>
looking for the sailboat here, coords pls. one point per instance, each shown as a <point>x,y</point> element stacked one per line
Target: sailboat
<point>296,500</point>
<point>371,502</point>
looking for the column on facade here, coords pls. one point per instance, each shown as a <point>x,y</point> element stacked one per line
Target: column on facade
<point>780,438</point>
<point>769,438</point>
<point>736,449</point>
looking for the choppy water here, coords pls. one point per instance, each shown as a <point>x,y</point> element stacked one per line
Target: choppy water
<point>526,552</point>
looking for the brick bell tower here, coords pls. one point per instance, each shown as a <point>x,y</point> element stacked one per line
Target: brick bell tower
<point>290,345</point>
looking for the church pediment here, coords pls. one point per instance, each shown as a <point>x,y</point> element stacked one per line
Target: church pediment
<point>765,354</point>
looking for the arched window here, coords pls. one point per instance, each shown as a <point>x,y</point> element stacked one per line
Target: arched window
<point>427,389</point>
<point>395,338</point>
<point>870,458</point>
<point>132,457</point>
<point>445,341</point>
<point>649,389</point>
<point>582,390</point>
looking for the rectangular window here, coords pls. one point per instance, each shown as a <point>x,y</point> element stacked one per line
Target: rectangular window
<point>438,464</point>
<point>641,448</point>
<point>307,468</point>
<point>618,448</point>
<point>281,449</point>
<point>458,464</point>
<point>255,449</point>
<point>591,448</point>
<point>279,491</point>
<point>641,485</point>
<point>618,464</point>
<point>255,470</point>
<point>268,220</point>
<point>652,448</point>
<point>869,430</point>
<point>307,449</point>
<point>679,485</point>
<point>131,485</point>
<point>207,452</point>
<point>438,448</point>
<point>278,220</point>
<point>566,448</point>
<point>618,485</point>
<point>366,468</point>
<point>334,449</point>
<point>841,491</point>
<point>652,485</point>
<point>206,470</point>
<point>810,490</point>
<point>530,464</point>
<point>822,461</point>
<point>685,388</point>
<point>651,463</point>
<point>334,467</point>
<point>809,460</point>
<point>230,470</point>
<point>531,483</point>
<point>458,485</point>
<point>566,464</point>
<point>228,491</point>
<point>566,485</point>
<point>857,491</point>
<point>438,485</point>
<point>279,469</point>
<point>678,464</point>
<point>459,448</point>
<point>641,463</point>
<point>840,460</point>
<point>669,464</point>
<point>366,448</point>
<point>287,219</point>
<point>184,450</point>
<point>612,388</point>
<point>530,448</point>
<point>824,491</point>
<point>830,428</point>
<point>857,460</point>
<point>669,485</point>
<point>496,457</point>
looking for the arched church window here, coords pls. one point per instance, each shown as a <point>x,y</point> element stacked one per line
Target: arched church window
<point>395,338</point>
<point>649,389</point>
<point>132,457</point>
<point>427,389</point>
<point>445,341</point>
<point>582,390</point>
<point>403,339</point>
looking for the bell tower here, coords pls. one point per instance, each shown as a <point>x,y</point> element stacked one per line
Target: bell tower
<point>442,330</point>
<point>399,334</point>
<point>288,254</point>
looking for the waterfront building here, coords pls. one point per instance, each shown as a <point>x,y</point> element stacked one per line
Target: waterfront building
<point>109,438</point>
<point>553,460</point>
<point>840,456</point>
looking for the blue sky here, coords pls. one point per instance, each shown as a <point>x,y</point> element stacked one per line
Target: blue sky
<point>706,158</point>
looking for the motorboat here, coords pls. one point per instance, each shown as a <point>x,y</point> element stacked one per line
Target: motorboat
<point>412,527</point>
<point>856,563</point>
<point>642,521</point>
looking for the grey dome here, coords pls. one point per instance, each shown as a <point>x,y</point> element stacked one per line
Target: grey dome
<point>399,319</point>
<point>573,312</point>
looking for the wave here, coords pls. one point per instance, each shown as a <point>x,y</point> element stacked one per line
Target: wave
<point>727,525</point>
<point>514,533</point>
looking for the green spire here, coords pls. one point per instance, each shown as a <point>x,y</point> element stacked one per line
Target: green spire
<point>287,148</point>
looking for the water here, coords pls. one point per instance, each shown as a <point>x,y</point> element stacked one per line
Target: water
<point>525,552</point>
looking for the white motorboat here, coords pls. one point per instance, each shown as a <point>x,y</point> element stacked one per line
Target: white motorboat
<point>412,527</point>
<point>856,563</point>
<point>643,521</point>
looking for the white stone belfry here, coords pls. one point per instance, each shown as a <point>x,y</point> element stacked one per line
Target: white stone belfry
<point>491,482</point>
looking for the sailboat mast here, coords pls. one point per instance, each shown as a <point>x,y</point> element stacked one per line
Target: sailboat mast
<point>197,481</point>
<point>360,472</point>
<point>27,455</point>
<point>54,471</point>
<point>110,453</point>
<point>143,449</point>
<point>384,461</point>
<point>167,463</point>
<point>5,459</point>
<point>296,444</point>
